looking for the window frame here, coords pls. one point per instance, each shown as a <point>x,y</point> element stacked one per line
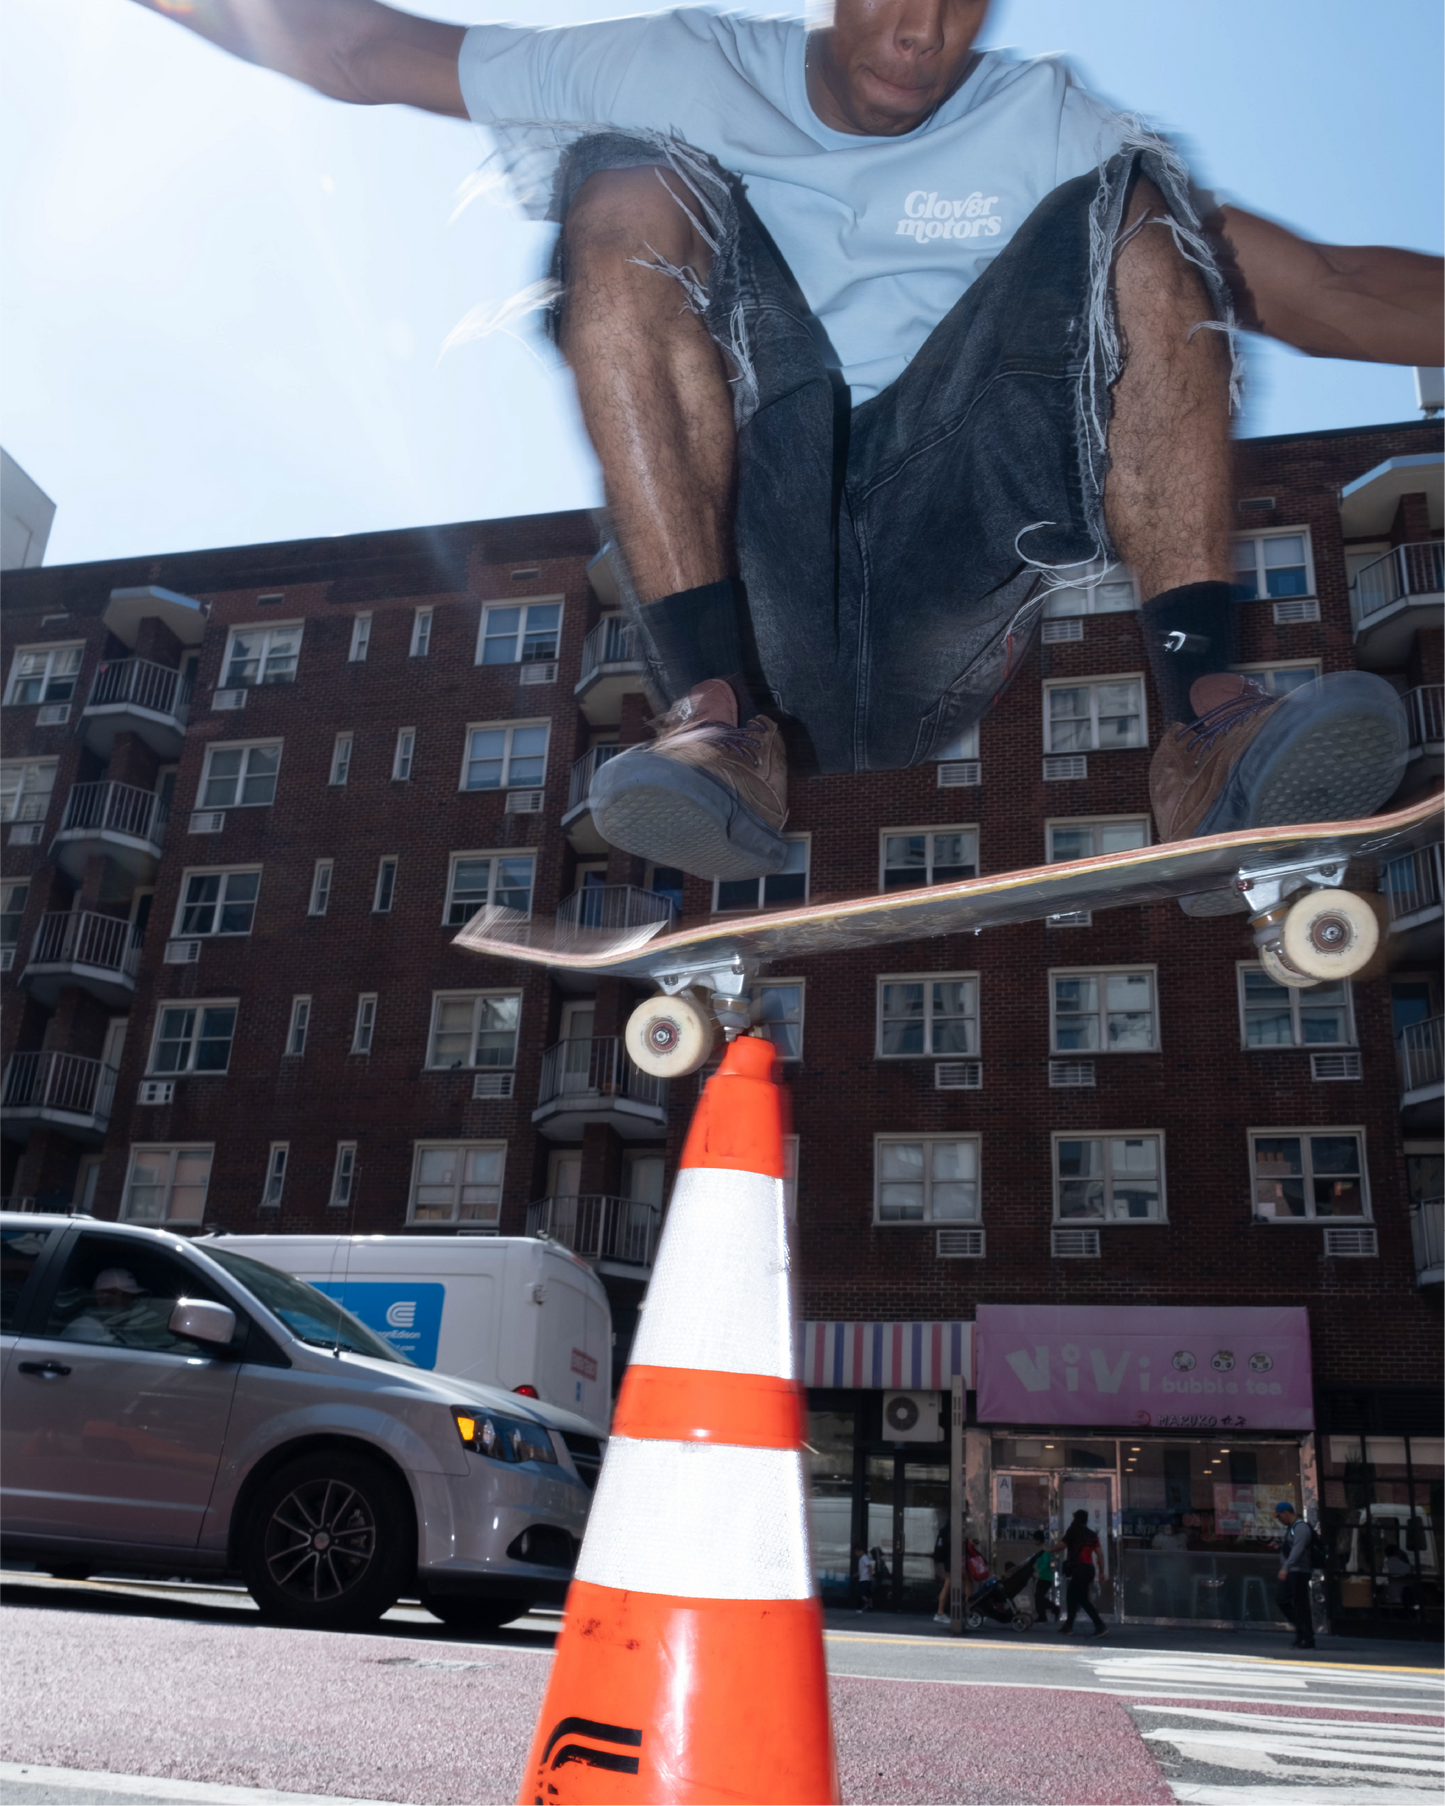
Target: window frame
<point>464,1146</point>
<point>421,626</point>
<point>1106,1221</point>
<point>180,932</point>
<point>363,1029</point>
<point>404,755</point>
<point>783,984</point>
<point>245,747</point>
<point>1297,999</point>
<point>298,1027</point>
<point>1101,973</point>
<point>360,639</point>
<point>1093,821</point>
<point>9,911</point>
<point>199,1005</point>
<point>509,728</point>
<point>1310,1220</point>
<point>24,810</point>
<point>383,895</point>
<point>471,1064</point>
<point>343,1171</point>
<point>762,904</point>
<point>1092,682</point>
<point>175,1149</point>
<point>342,749</point>
<point>50,648</point>
<point>928,979</point>
<point>928,829</point>
<point>927,1220</point>
<point>1089,591</point>
<point>321,893</point>
<point>493,855</point>
<point>268,630</point>
<point>277,1157</point>
<point>559,602</point>
<point>1257,538</point>
<point>1266,667</point>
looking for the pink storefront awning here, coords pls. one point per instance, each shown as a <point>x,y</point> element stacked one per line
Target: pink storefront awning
<point>886,1357</point>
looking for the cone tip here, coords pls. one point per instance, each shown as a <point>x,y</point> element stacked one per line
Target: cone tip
<point>748,1057</point>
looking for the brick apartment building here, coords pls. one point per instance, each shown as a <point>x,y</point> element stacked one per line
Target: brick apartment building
<point>251,793</point>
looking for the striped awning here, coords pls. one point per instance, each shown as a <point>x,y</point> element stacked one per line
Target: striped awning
<point>904,1357</point>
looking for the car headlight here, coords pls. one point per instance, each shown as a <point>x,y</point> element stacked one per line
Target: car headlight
<point>502,1438</point>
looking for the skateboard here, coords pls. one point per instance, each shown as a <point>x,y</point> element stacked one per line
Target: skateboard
<point>1289,880</point>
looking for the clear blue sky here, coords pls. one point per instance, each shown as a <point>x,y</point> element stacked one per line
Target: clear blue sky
<point>225,297</point>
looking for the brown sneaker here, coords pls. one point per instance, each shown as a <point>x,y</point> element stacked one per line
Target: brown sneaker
<point>1332,750</point>
<point>707,794</point>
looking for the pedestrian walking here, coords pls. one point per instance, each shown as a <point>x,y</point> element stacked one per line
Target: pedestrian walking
<point>864,1572</point>
<point>1043,1566</point>
<point>1296,1545</point>
<point>943,1570</point>
<point>1080,1549</point>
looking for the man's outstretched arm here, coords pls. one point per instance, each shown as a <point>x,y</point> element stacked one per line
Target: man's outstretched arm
<point>1369,302</point>
<point>354,50</point>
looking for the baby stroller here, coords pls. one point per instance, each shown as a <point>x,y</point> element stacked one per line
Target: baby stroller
<point>999,1599</point>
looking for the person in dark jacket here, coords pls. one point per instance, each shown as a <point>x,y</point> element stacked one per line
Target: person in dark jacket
<point>1080,1550</point>
<point>1294,1573</point>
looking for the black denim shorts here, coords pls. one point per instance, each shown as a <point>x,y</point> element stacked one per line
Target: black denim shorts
<point>897,555</point>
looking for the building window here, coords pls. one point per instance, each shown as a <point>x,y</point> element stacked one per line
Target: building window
<point>343,1175</point>
<point>667,881</point>
<point>777,1009</point>
<point>480,879</point>
<point>963,745</point>
<point>261,655</point>
<point>44,674</point>
<point>167,1185</point>
<point>1279,680</point>
<point>1272,565</point>
<point>1099,589</point>
<point>300,1022</point>
<point>1109,1178</point>
<point>341,759</point>
<point>365,1023</point>
<point>929,1013</point>
<point>13,898</point>
<point>193,1037</point>
<point>360,639</point>
<point>25,789</point>
<point>1274,1015</point>
<point>401,758</point>
<point>421,633</point>
<point>320,887</point>
<point>385,887</point>
<point>777,891</point>
<point>1106,715</point>
<point>240,777</point>
<point>912,857</point>
<point>1301,1174</point>
<point>1073,839</point>
<point>503,757</point>
<point>460,1183</point>
<point>474,1028</point>
<point>275,1175</point>
<point>1110,1011</point>
<point>926,1179</point>
<point>519,634</point>
<point>217,902</point>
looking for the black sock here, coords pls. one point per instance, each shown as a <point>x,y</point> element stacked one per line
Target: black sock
<point>694,635</point>
<point>1188,633</point>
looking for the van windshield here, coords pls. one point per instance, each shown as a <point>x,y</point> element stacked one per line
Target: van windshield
<point>310,1315</point>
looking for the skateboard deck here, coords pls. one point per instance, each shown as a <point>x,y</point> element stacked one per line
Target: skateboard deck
<point>1152,874</point>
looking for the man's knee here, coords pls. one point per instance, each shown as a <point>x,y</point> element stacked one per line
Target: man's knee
<point>622,216</point>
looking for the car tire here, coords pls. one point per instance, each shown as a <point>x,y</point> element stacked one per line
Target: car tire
<point>479,1615</point>
<point>69,1570</point>
<point>329,1542</point>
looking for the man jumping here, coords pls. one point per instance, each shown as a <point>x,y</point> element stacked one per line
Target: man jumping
<point>879,339</point>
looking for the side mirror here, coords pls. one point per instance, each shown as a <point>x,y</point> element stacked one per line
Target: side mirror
<point>202,1321</point>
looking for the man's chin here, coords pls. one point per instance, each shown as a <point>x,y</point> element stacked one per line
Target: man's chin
<point>891,111</point>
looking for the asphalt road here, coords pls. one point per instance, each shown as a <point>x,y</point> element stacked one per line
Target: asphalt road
<point>180,1695</point>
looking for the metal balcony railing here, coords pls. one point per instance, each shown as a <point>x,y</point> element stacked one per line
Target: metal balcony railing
<point>59,1081</point>
<point>598,1067</point>
<point>143,684</point>
<point>582,771</point>
<point>611,642</point>
<point>1413,570</point>
<point>81,938</point>
<point>25,1204</point>
<point>114,808</point>
<point>1421,1046</point>
<point>612,909</point>
<point>1427,1228</point>
<point>605,1228</point>
<point>1412,883</point>
<point>1425,708</point>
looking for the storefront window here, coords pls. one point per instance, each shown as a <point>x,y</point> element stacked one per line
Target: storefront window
<point>1382,1518</point>
<point>830,1456</point>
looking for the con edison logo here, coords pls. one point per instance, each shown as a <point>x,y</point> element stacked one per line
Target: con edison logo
<point>929,214</point>
<point>577,1740</point>
<point>402,1314</point>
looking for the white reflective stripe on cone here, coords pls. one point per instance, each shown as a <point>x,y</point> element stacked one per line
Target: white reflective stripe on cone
<point>718,1298</point>
<point>699,1520</point>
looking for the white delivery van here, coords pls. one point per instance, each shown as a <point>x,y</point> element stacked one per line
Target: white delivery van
<point>506,1311</point>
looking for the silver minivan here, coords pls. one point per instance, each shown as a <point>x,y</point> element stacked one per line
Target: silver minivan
<point>173,1407</point>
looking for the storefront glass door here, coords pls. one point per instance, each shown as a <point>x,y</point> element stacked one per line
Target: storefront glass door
<point>1028,1504</point>
<point>1093,1493</point>
<point>907,1506</point>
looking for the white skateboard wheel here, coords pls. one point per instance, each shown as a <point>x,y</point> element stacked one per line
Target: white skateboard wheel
<point>1329,934</point>
<point>1283,974</point>
<point>670,1037</point>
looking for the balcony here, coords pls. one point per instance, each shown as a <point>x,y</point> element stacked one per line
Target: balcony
<point>591,1081</point>
<point>137,696</point>
<point>1391,598</point>
<point>1426,1227</point>
<point>577,823</point>
<point>1412,890</point>
<point>62,1090</point>
<point>98,953</point>
<point>1422,1074</point>
<point>613,910</point>
<point>120,821</point>
<point>610,1232</point>
<point>611,669</point>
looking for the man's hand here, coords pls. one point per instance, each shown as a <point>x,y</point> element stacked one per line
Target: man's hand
<point>1284,1573</point>
<point>354,50</point>
<point>1369,302</point>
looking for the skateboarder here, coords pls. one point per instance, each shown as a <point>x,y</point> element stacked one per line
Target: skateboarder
<point>879,338</point>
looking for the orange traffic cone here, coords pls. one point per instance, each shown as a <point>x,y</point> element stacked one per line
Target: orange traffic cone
<point>690,1665</point>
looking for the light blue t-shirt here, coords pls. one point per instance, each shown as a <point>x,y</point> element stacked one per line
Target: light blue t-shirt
<point>882,234</point>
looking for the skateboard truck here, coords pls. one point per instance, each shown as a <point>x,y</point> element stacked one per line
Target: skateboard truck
<point>672,1035</point>
<point>1307,939</point>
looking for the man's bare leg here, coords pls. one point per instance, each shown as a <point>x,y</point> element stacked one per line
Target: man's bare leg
<point>650,379</point>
